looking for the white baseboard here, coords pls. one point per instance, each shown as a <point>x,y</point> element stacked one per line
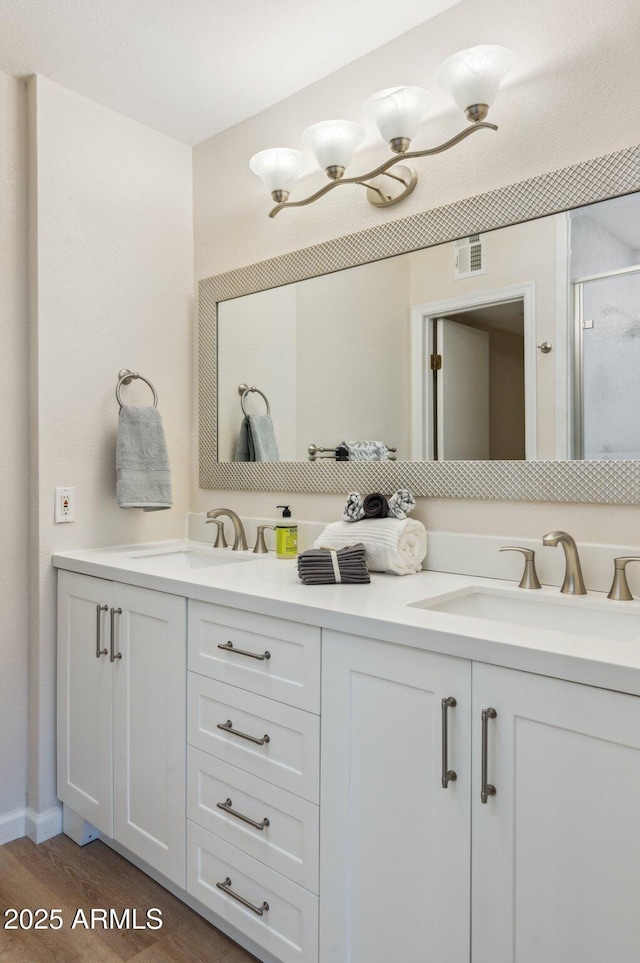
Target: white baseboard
<point>42,826</point>
<point>12,825</point>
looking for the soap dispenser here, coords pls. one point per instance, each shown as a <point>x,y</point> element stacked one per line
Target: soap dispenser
<point>286,534</point>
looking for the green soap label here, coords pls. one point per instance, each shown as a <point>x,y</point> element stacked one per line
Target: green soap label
<point>287,541</point>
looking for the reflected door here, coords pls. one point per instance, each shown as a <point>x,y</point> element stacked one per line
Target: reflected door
<point>462,392</point>
<point>607,378</point>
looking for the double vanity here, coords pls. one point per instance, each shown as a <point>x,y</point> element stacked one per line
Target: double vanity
<point>434,768</point>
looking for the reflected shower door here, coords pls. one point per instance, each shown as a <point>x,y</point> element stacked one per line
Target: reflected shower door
<point>608,375</point>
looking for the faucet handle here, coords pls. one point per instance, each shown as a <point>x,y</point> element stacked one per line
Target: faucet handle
<point>260,547</point>
<point>529,578</point>
<point>620,587</point>
<point>220,541</point>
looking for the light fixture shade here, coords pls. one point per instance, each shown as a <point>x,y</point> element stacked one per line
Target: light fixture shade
<point>473,76</point>
<point>333,142</point>
<point>398,111</point>
<point>279,167</point>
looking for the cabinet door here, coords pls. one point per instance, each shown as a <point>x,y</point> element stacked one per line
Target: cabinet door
<point>85,687</point>
<point>395,857</point>
<point>556,850</point>
<point>150,728</point>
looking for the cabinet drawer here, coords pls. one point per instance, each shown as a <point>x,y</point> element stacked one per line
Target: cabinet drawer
<point>289,843</point>
<point>273,657</point>
<point>289,755</point>
<point>288,928</point>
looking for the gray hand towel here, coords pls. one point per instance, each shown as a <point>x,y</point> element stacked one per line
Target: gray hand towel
<point>257,440</point>
<point>142,462</point>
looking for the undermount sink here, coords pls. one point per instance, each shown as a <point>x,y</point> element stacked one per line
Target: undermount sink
<point>573,615</point>
<point>188,559</point>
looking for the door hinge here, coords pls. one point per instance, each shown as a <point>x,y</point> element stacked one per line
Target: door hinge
<point>435,362</point>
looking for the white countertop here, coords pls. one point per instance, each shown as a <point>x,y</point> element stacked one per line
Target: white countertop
<point>380,610</point>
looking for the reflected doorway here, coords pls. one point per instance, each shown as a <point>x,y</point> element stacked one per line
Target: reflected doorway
<point>471,396</point>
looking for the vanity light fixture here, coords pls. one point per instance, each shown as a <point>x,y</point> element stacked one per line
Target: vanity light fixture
<point>471,76</point>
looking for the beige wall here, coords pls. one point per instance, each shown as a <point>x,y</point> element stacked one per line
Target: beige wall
<point>14,436</point>
<point>112,283</point>
<point>353,357</point>
<point>555,110</point>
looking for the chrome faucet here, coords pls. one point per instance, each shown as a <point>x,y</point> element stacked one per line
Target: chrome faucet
<point>573,582</point>
<point>239,539</point>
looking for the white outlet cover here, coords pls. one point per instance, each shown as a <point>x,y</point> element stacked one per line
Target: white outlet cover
<point>65,505</point>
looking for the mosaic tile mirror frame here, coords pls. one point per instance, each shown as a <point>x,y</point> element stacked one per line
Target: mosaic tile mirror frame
<point>612,482</point>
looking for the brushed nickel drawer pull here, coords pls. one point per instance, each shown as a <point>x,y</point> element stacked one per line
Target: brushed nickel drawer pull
<point>225,886</point>
<point>226,806</point>
<point>99,610</point>
<point>448,775</point>
<point>229,647</point>
<point>113,654</point>
<point>487,789</point>
<point>228,727</point>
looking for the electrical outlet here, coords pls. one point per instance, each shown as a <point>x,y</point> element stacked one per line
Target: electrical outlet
<point>65,505</point>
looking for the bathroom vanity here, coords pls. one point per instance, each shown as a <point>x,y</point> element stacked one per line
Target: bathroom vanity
<point>337,773</point>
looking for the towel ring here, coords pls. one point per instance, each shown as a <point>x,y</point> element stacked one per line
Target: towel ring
<point>125,377</point>
<point>244,390</point>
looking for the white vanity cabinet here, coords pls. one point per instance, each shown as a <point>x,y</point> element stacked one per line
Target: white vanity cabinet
<point>219,780</point>
<point>253,775</point>
<point>121,723</point>
<point>554,852</point>
<point>395,866</point>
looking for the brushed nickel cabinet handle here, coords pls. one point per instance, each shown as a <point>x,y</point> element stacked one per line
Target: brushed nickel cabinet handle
<point>225,886</point>
<point>226,807</point>
<point>229,647</point>
<point>487,789</point>
<point>113,654</point>
<point>99,610</point>
<point>228,727</point>
<point>448,775</point>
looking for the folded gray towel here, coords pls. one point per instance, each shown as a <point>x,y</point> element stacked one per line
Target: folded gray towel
<point>142,462</point>
<point>257,440</point>
<point>326,566</point>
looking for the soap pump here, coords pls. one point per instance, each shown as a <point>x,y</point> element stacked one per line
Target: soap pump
<point>286,534</point>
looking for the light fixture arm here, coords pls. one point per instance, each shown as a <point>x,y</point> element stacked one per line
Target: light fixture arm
<point>383,168</point>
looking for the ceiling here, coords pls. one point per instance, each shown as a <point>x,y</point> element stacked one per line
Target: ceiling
<point>195,67</point>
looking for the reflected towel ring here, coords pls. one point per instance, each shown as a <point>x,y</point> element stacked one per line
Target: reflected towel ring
<point>244,390</point>
<point>125,377</point>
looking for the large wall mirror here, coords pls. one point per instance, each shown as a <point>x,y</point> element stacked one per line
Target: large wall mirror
<point>467,356</point>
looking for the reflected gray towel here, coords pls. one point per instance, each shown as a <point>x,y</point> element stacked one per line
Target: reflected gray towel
<point>257,440</point>
<point>366,450</point>
<point>142,462</point>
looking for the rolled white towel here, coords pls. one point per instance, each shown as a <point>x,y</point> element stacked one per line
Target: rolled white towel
<point>392,545</point>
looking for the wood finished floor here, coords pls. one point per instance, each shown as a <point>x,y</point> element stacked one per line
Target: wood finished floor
<point>58,874</point>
